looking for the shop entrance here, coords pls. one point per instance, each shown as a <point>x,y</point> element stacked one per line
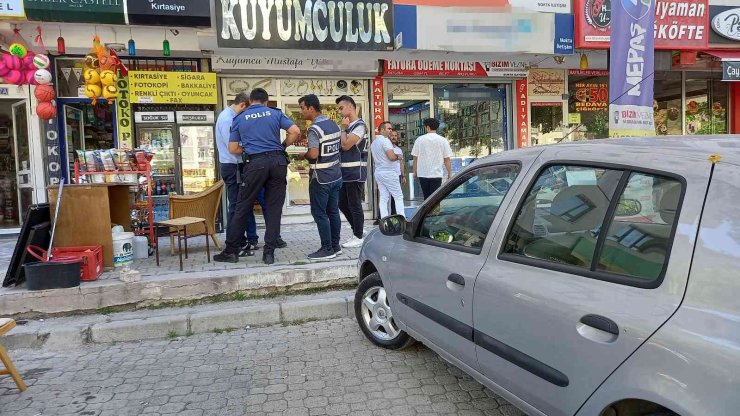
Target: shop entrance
<point>86,127</point>
<point>16,179</point>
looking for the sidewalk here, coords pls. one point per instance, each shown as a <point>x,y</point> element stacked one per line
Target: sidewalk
<point>199,279</point>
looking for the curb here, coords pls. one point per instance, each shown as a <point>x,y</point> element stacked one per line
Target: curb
<point>97,330</point>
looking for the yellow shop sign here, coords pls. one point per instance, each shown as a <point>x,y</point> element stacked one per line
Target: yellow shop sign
<point>148,87</point>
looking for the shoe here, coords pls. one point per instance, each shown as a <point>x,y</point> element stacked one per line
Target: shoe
<point>224,257</point>
<point>268,258</point>
<point>376,222</point>
<point>338,250</point>
<point>353,242</point>
<point>281,243</point>
<point>322,255</point>
<point>251,246</point>
<point>246,251</point>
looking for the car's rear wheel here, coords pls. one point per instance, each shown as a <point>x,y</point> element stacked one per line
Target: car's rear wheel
<point>375,317</point>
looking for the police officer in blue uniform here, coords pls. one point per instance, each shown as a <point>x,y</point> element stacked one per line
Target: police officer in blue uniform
<point>256,133</point>
<point>324,148</point>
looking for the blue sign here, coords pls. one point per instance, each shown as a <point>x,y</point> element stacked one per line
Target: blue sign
<point>564,34</point>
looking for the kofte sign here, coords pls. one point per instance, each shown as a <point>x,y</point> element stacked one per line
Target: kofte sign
<point>305,24</point>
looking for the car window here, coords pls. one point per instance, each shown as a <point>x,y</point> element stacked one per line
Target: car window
<point>639,235</point>
<point>562,215</point>
<point>464,216</point>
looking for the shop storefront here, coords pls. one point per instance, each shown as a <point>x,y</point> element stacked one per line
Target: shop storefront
<point>472,100</point>
<point>291,79</point>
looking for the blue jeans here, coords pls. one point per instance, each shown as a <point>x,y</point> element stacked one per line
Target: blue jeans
<point>229,173</point>
<point>325,211</point>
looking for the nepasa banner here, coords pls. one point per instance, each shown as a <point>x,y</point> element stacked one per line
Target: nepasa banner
<point>631,69</point>
<point>679,24</point>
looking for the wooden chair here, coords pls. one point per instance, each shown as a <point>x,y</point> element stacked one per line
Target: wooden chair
<point>201,205</point>
<point>6,324</point>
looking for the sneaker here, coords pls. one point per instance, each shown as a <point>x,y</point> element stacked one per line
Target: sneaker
<point>376,222</point>
<point>322,255</point>
<point>268,258</point>
<point>353,242</point>
<point>281,243</point>
<point>338,250</point>
<point>225,257</point>
<point>246,251</point>
<point>251,246</point>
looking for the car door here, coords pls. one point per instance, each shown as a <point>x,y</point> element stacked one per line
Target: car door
<point>560,303</point>
<point>435,265</point>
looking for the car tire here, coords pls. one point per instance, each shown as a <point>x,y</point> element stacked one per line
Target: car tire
<point>374,315</point>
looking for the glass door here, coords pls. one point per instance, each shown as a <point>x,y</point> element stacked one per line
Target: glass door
<point>160,141</point>
<point>74,128</point>
<point>24,182</point>
<point>198,158</point>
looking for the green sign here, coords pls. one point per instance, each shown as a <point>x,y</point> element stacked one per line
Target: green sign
<point>76,11</point>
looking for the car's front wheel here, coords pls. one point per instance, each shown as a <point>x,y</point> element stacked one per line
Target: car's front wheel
<point>373,313</point>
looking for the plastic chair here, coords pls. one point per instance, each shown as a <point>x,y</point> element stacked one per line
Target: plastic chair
<point>202,205</point>
<point>6,324</point>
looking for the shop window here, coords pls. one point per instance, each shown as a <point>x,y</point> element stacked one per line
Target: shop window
<point>588,104</point>
<point>546,123</point>
<point>706,103</point>
<point>667,104</point>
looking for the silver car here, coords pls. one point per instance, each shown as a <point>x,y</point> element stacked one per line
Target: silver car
<point>592,278</point>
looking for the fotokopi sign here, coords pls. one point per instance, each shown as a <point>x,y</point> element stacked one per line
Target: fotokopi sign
<point>631,69</point>
<point>148,87</point>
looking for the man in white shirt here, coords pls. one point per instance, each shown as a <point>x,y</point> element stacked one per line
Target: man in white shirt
<point>386,174</point>
<point>432,155</point>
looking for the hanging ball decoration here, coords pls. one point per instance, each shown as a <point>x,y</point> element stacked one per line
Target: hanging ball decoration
<point>44,93</point>
<point>11,61</point>
<point>46,110</point>
<point>91,76</point>
<point>108,77</point>
<point>110,92</point>
<point>14,77</point>
<point>91,61</point>
<point>28,62</point>
<point>3,69</point>
<point>41,61</point>
<point>29,77</point>
<point>17,49</point>
<point>42,76</point>
<point>93,91</point>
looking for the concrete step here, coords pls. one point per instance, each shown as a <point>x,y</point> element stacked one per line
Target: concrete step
<point>65,332</point>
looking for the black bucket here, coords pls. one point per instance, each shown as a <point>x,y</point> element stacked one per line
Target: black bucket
<point>52,275</point>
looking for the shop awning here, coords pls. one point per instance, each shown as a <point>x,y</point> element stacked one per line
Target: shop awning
<point>725,55</point>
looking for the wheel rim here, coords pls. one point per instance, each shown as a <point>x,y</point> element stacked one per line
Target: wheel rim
<point>377,314</point>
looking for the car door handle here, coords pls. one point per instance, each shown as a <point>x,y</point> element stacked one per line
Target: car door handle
<point>456,279</point>
<point>601,323</point>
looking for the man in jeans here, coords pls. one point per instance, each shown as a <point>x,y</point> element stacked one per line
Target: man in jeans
<point>432,155</point>
<point>324,147</point>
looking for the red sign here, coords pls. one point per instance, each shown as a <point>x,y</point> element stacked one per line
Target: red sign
<point>423,68</point>
<point>588,72</point>
<point>522,117</point>
<point>679,24</point>
<point>378,103</point>
<point>591,96</point>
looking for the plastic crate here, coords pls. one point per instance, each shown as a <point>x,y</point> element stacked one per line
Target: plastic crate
<point>89,257</point>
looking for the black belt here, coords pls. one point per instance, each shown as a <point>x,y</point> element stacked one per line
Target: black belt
<point>265,154</point>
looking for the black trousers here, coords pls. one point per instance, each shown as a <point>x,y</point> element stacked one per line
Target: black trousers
<point>268,171</point>
<point>350,203</point>
<point>429,185</point>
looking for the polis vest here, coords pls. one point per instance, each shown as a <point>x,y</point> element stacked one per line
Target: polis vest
<point>326,169</point>
<point>354,160</point>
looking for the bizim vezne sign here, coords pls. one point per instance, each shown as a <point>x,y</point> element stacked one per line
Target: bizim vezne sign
<point>305,24</point>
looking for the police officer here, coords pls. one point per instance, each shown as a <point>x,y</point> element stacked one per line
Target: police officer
<point>354,168</point>
<point>256,132</point>
<point>324,146</point>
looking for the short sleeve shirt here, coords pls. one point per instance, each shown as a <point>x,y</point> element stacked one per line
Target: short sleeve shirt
<point>223,134</point>
<point>397,150</point>
<point>258,129</point>
<point>430,150</point>
<point>382,164</point>
<point>359,130</point>
<point>313,137</point>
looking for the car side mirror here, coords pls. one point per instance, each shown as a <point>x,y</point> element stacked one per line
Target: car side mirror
<point>393,225</point>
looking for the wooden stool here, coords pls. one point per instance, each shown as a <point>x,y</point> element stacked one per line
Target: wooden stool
<point>6,324</point>
<point>181,230</point>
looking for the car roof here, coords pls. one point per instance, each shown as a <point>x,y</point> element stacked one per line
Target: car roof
<point>727,147</point>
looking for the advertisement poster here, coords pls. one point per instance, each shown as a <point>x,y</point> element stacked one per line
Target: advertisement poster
<point>522,114</point>
<point>546,83</point>
<point>679,24</point>
<point>631,69</point>
<point>148,87</point>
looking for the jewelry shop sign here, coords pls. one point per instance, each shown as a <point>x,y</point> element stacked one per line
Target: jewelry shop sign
<point>148,87</point>
<point>305,24</point>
